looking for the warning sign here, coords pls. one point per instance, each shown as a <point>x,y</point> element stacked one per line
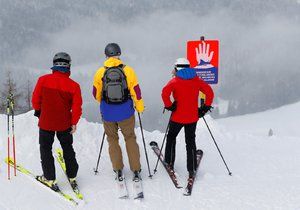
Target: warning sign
<point>204,57</point>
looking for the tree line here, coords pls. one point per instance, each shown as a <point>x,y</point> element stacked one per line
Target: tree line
<point>21,94</point>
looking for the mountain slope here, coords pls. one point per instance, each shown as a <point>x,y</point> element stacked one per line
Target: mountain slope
<point>265,169</point>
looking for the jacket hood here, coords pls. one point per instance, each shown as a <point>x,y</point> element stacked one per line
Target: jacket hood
<point>111,62</point>
<point>186,73</point>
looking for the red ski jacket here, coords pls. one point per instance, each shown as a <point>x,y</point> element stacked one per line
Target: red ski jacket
<point>185,88</point>
<point>59,99</point>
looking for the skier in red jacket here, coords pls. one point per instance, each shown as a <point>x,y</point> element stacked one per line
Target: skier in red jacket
<point>57,103</point>
<point>185,88</point>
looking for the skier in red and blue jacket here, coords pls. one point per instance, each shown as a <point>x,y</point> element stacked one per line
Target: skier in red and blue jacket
<point>185,88</point>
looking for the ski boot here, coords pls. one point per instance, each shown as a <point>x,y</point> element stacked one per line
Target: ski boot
<point>191,174</point>
<point>119,175</point>
<point>49,183</point>
<point>191,177</point>
<point>73,183</point>
<point>136,176</point>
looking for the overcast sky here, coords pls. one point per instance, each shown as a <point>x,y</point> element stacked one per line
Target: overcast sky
<point>256,38</point>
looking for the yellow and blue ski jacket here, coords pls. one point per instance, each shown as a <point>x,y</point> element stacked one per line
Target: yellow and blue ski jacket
<point>118,112</point>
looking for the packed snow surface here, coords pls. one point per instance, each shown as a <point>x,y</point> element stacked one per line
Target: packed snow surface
<point>265,168</point>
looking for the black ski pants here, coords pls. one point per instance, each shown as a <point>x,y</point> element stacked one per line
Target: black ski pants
<point>46,140</point>
<point>189,130</point>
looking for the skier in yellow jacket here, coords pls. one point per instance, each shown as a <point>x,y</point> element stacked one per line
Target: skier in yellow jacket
<point>117,90</point>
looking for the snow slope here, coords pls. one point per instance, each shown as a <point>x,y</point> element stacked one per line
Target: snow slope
<point>265,169</point>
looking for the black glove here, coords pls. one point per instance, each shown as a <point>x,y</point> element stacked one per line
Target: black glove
<point>37,113</point>
<point>173,107</point>
<point>203,110</point>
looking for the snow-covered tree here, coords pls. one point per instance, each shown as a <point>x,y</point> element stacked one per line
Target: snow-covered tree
<point>10,87</point>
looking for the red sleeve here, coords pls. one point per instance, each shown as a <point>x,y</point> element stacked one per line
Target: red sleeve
<point>76,106</point>
<point>208,91</point>
<point>166,93</point>
<point>37,95</point>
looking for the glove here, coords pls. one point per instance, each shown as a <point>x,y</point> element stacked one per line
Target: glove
<point>173,107</point>
<point>203,110</point>
<point>73,129</point>
<point>139,106</point>
<point>140,109</point>
<point>37,113</point>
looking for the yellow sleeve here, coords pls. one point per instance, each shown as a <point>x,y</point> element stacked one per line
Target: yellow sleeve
<point>97,85</point>
<point>134,89</point>
<point>202,97</point>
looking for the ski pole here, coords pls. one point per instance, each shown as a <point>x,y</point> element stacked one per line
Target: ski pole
<point>150,175</point>
<point>162,145</point>
<point>13,133</point>
<point>8,140</point>
<point>96,169</point>
<point>229,172</point>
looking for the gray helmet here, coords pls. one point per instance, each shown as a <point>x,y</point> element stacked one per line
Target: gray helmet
<point>112,49</point>
<point>62,59</point>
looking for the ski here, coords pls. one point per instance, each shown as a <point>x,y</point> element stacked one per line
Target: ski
<point>191,180</point>
<point>137,188</point>
<point>121,187</point>
<point>171,173</point>
<point>60,159</point>
<point>34,177</point>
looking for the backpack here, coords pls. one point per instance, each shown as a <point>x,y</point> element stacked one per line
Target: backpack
<point>115,90</point>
